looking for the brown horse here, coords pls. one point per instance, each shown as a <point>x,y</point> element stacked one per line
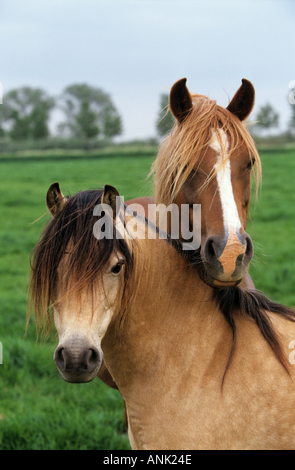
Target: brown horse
<point>207,159</point>
<point>208,140</point>
<point>199,367</point>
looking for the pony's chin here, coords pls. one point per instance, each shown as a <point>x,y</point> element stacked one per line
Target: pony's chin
<point>216,283</point>
<point>209,279</point>
<point>225,284</point>
<point>77,378</point>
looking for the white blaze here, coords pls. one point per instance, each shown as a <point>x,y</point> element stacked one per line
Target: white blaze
<point>231,220</point>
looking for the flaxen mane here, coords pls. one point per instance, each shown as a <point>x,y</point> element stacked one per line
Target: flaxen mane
<point>185,147</point>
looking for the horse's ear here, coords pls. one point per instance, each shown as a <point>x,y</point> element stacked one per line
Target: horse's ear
<point>180,100</point>
<point>109,197</point>
<point>55,200</point>
<point>242,103</point>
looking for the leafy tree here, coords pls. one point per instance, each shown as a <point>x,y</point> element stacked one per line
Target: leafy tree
<point>38,126</point>
<point>21,126</point>
<point>25,111</point>
<point>86,120</point>
<point>165,118</point>
<point>112,123</point>
<point>267,118</point>
<point>89,113</point>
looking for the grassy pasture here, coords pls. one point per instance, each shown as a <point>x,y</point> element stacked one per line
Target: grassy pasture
<point>37,409</point>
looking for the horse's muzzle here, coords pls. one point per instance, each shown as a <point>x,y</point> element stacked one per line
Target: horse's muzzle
<point>77,361</point>
<point>226,263</point>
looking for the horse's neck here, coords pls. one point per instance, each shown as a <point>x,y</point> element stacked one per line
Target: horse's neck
<point>172,334</point>
<point>169,357</point>
<point>168,326</point>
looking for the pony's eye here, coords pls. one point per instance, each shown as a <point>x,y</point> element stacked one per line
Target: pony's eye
<point>251,164</point>
<point>117,268</point>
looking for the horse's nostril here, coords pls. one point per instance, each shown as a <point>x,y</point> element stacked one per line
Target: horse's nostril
<point>68,359</point>
<point>92,359</point>
<point>210,251</point>
<point>59,358</point>
<point>249,247</point>
<point>213,249</point>
<point>240,259</point>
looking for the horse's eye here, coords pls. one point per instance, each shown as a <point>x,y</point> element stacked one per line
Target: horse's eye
<point>251,164</point>
<point>117,268</point>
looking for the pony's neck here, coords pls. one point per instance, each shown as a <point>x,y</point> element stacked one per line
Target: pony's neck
<point>168,303</point>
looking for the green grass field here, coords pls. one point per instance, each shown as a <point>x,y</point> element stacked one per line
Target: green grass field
<point>38,410</point>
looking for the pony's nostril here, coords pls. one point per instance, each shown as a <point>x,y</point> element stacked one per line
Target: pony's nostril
<point>73,359</point>
<point>210,251</point>
<point>92,359</point>
<point>59,358</point>
<point>213,250</point>
<point>249,247</point>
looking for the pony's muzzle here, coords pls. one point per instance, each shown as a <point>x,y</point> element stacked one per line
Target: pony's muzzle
<point>77,363</point>
<point>227,262</point>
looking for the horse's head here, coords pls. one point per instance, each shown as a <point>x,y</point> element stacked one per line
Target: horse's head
<point>79,278</point>
<point>212,156</point>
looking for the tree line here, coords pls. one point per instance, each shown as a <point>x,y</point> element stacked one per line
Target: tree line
<point>89,113</point>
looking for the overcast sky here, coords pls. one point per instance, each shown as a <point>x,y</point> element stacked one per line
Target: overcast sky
<point>137,49</point>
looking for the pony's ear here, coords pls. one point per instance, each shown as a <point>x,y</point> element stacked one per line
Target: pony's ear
<point>180,100</point>
<point>55,200</point>
<point>109,197</point>
<point>242,103</point>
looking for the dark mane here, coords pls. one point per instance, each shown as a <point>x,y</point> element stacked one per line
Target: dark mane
<point>255,306</point>
<point>252,304</point>
<point>87,257</point>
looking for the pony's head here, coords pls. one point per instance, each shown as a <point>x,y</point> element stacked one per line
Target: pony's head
<point>77,280</point>
<point>208,159</point>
